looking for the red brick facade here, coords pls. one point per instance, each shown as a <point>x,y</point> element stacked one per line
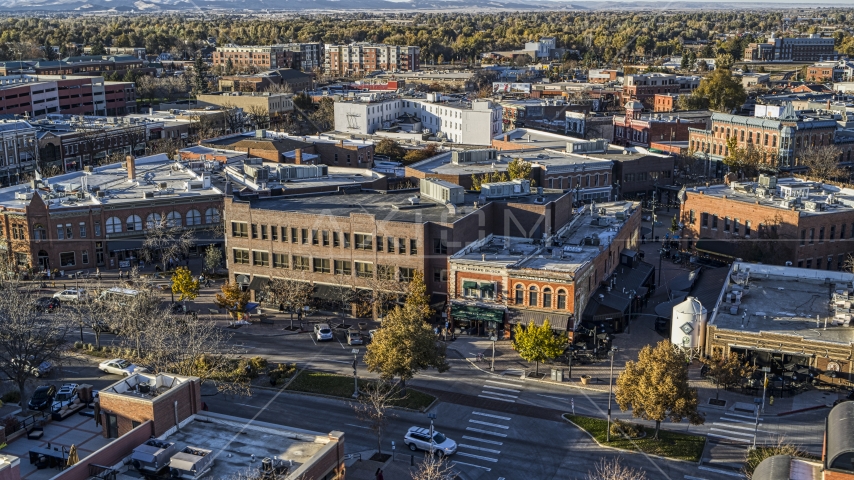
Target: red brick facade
<point>160,410</point>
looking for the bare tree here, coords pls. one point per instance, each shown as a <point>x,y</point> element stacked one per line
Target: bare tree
<point>93,312</point>
<point>169,146</point>
<point>294,292</point>
<point>165,241</point>
<point>258,116</point>
<point>30,335</point>
<point>135,312</point>
<point>279,88</point>
<point>137,138</point>
<point>823,162</point>
<point>373,407</point>
<point>615,470</point>
<point>345,291</point>
<point>233,116</point>
<point>204,125</point>
<point>433,468</point>
<point>91,140</point>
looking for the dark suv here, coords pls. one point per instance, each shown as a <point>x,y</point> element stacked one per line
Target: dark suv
<point>42,397</point>
<point>46,304</point>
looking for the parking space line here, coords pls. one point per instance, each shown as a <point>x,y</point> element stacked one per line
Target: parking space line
<point>472,465</point>
<point>479,457</point>
<point>496,425</point>
<point>490,415</point>
<point>496,398</point>
<point>479,430</point>
<point>492,442</point>
<point>488,450</point>
<point>550,396</point>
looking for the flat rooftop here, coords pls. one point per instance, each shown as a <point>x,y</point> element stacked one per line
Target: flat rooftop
<point>391,206</point>
<point>789,301</point>
<point>841,199</point>
<point>233,441</point>
<point>153,385</point>
<point>556,161</point>
<point>336,176</point>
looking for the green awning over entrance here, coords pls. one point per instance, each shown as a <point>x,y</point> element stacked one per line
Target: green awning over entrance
<point>472,312</point>
<point>487,286</point>
<point>468,284</point>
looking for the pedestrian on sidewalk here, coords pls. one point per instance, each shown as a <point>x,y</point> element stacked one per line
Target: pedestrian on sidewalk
<point>121,274</point>
<point>379,474</point>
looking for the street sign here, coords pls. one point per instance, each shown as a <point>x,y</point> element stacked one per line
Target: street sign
<point>355,351</point>
<point>765,369</point>
<point>493,338</point>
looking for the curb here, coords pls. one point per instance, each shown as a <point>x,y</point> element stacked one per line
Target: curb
<point>807,409</point>
<point>566,385</point>
<point>705,441</point>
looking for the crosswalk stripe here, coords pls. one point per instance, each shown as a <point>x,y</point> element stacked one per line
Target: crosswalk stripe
<point>490,415</point>
<point>689,477</point>
<point>506,395</point>
<point>722,472</point>
<point>472,465</point>
<point>737,421</point>
<point>749,417</point>
<point>496,398</point>
<point>493,442</point>
<point>740,428</point>
<point>502,388</point>
<point>488,450</point>
<point>505,383</point>
<point>728,438</point>
<point>479,457</point>
<point>480,430</point>
<point>496,425</point>
<point>731,432</point>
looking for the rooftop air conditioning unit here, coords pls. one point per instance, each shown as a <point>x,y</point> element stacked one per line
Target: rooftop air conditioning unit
<point>190,463</point>
<point>153,455</point>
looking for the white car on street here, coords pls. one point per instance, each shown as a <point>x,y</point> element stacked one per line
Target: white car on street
<point>118,366</point>
<point>322,332</point>
<point>72,295</point>
<point>418,438</point>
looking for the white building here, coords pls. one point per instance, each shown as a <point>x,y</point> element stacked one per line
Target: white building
<point>472,123</point>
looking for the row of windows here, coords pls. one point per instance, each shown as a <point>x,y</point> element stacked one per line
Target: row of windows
<point>133,223</point>
<point>305,236</point>
<point>732,225</point>
<point>533,297</point>
<point>821,264</point>
<point>261,258</point>
<point>810,234</point>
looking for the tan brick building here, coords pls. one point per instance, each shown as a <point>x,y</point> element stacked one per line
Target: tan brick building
<point>362,58</point>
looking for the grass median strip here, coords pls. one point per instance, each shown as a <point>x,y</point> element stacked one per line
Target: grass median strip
<point>670,444</point>
<point>342,386</point>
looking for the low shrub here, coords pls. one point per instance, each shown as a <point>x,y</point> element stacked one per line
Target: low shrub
<point>78,345</point>
<point>625,429</point>
<point>13,396</point>
<point>280,375</point>
<point>11,424</point>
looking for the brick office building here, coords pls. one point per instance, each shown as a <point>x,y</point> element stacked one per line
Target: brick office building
<point>781,139</point>
<point>362,58</point>
<point>37,96</point>
<point>244,58</point>
<point>638,129</point>
<point>354,240</point>
<point>808,224</point>
<point>803,49</point>
<point>98,218</point>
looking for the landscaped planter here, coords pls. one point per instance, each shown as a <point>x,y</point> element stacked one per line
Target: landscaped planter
<point>585,379</point>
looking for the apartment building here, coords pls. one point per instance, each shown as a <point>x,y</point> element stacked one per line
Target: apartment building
<point>782,136</point>
<point>98,217</point>
<point>809,224</point>
<point>35,96</point>
<point>825,72</point>
<point>644,87</point>
<point>19,150</point>
<point>802,49</point>
<point>85,65</point>
<point>362,58</point>
<point>460,121</point>
<point>638,129</point>
<point>266,57</point>
<point>311,55</point>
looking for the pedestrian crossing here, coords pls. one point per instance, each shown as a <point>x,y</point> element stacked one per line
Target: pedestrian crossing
<point>480,447</point>
<point>736,428</point>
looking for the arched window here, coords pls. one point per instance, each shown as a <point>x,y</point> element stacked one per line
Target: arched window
<point>211,215</point>
<point>114,225</point>
<point>532,296</point>
<point>134,223</point>
<point>547,297</point>
<point>520,294</point>
<point>173,219</point>
<point>561,300</point>
<point>194,218</point>
<point>39,232</point>
<point>152,220</point>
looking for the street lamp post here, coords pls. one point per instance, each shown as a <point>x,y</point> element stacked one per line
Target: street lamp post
<point>493,337</point>
<point>764,386</point>
<point>611,354</point>
<point>431,416</point>
<point>355,352</point>
<point>569,361</point>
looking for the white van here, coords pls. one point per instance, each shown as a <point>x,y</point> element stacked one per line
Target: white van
<point>118,295</point>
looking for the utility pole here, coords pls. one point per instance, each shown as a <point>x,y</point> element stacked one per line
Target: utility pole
<point>355,352</point>
<point>764,386</point>
<point>493,337</point>
<point>611,354</point>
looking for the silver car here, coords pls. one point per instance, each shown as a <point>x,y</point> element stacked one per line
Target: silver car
<point>418,438</point>
<point>322,332</point>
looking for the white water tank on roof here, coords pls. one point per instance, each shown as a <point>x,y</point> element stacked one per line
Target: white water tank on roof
<point>688,323</point>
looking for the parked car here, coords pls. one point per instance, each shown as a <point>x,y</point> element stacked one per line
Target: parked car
<point>418,438</point>
<point>72,295</point>
<point>118,366</point>
<point>41,370</point>
<point>102,327</point>
<point>181,309</point>
<point>322,332</point>
<point>354,337</point>
<point>65,396</point>
<point>46,304</point>
<point>42,397</point>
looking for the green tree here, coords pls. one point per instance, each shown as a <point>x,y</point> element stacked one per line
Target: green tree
<point>229,67</point>
<point>303,101</point>
<point>519,169</point>
<point>184,284</point>
<point>389,148</point>
<point>722,91</point>
<point>98,49</point>
<point>418,154</point>
<point>324,116</point>
<point>726,370</point>
<point>537,343</point>
<point>743,160</point>
<point>232,298</point>
<point>199,80</point>
<point>406,343</point>
<point>655,387</point>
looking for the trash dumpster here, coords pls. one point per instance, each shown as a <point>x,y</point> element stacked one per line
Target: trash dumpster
<point>557,374</point>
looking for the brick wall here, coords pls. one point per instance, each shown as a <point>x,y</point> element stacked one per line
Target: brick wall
<point>330,458</point>
<point>110,454</point>
<point>160,411</point>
